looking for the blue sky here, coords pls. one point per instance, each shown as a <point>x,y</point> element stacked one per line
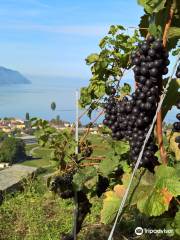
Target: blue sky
<point>53,37</point>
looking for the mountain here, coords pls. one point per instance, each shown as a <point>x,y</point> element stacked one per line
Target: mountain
<point>8,76</point>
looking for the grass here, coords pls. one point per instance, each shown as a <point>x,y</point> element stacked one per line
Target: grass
<point>41,158</point>
<point>36,214</point>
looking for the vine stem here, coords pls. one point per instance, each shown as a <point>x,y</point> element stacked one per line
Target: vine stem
<point>88,164</point>
<point>159,126</point>
<point>96,158</point>
<point>88,130</point>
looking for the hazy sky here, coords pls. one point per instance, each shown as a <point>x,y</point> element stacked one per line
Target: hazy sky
<point>53,37</point>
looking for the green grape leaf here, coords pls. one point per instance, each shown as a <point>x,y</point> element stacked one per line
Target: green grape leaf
<point>177,223</point>
<point>143,25</point>
<point>155,5</point>
<point>120,147</point>
<point>176,51</point>
<point>94,57</point>
<point>170,101</point>
<point>107,166</point>
<point>152,204</point>
<point>174,32</point>
<point>103,42</point>
<point>85,177</point>
<point>152,6</point>
<point>158,198</point>
<point>125,166</point>
<point>164,171</point>
<point>145,5</point>
<point>155,30</point>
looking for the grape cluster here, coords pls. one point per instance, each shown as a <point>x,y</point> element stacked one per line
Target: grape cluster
<point>130,118</point>
<point>176,126</point>
<point>102,185</point>
<point>85,148</point>
<point>62,185</point>
<point>178,71</point>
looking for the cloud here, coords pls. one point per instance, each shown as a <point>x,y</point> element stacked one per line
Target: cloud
<point>81,30</point>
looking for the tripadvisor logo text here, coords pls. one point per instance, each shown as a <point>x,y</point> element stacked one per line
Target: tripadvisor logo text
<point>139,231</point>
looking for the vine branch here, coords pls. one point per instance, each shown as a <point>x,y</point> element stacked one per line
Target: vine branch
<point>159,126</point>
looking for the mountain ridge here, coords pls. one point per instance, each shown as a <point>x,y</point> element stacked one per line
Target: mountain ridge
<point>9,76</point>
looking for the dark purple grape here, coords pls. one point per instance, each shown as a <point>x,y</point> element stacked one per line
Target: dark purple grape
<point>167,62</point>
<point>145,48</point>
<point>136,61</point>
<point>105,122</point>
<point>151,99</point>
<point>135,110</point>
<point>178,74</point>
<point>177,139</point>
<point>148,83</point>
<point>144,71</point>
<point>158,63</point>
<point>148,106</point>
<point>150,39</point>
<point>165,71</point>
<point>178,116</point>
<point>154,72</point>
<point>142,79</point>
<point>157,45</point>
<point>152,53</point>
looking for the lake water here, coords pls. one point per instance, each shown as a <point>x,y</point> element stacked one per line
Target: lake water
<point>36,98</point>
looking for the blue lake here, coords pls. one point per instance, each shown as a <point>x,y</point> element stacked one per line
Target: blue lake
<point>36,98</point>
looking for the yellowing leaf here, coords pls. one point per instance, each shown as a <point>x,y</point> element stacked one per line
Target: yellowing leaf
<point>167,196</point>
<point>110,207</point>
<point>119,190</point>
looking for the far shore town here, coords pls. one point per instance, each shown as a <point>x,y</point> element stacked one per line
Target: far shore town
<point>9,125</point>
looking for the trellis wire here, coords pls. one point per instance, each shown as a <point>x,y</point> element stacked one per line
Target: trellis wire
<point>142,150</point>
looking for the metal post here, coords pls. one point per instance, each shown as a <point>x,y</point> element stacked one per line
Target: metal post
<point>76,152</point>
<point>77,122</point>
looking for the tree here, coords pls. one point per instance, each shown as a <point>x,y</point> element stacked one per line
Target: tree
<point>27,116</point>
<point>53,106</point>
<point>12,150</point>
<point>3,136</point>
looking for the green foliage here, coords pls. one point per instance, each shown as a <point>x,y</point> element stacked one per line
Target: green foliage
<point>108,65</point>
<point>12,150</point>
<point>61,142</point>
<point>165,188</point>
<point>109,165</point>
<point>27,116</point>
<point>53,106</point>
<point>3,136</point>
<point>156,16</point>
<point>125,90</point>
<point>151,193</point>
<point>171,96</point>
<point>177,223</point>
<point>152,6</point>
<point>110,205</point>
<point>85,179</point>
<point>120,147</point>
